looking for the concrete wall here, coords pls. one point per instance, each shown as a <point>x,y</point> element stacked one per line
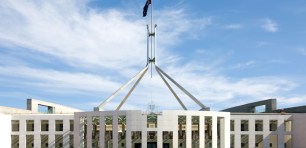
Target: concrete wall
<point>22,133</point>
<point>33,104</point>
<point>5,131</point>
<point>270,105</point>
<point>299,130</point>
<point>11,111</point>
<point>274,137</point>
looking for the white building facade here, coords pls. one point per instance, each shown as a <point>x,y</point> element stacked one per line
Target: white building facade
<point>133,129</point>
<point>138,129</point>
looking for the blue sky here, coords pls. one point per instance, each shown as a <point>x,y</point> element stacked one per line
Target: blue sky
<point>226,53</point>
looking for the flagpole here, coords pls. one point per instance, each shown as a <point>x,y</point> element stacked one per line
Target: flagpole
<point>151,33</point>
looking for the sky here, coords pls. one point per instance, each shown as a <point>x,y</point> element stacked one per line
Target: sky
<point>226,53</point>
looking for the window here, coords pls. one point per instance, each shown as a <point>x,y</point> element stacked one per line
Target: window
<point>258,125</point>
<point>244,125</point>
<point>15,125</point>
<point>44,141</point>
<point>288,125</point>
<point>273,125</point>
<point>30,125</point>
<point>44,125</point>
<point>232,125</point>
<point>259,140</point>
<point>71,125</point>
<point>244,141</point>
<point>58,125</point>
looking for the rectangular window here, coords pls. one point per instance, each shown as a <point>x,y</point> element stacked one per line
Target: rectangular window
<point>136,138</point>
<point>58,141</point>
<point>273,141</point>
<point>288,141</point>
<point>259,141</point>
<point>14,141</point>
<point>273,125</point>
<point>232,125</point>
<point>29,141</point>
<point>44,125</point>
<point>195,121</point>
<point>71,125</point>
<point>59,125</point>
<point>109,131</point>
<point>208,131</point>
<point>83,132</point>
<point>232,140</point>
<point>288,125</point>
<point>121,131</point>
<point>95,131</point>
<point>15,125</point>
<point>258,125</point>
<point>244,141</point>
<point>71,141</point>
<point>44,141</point>
<point>182,130</point>
<point>244,125</point>
<point>30,125</point>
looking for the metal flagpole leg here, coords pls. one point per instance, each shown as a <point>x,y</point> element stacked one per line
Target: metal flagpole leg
<point>183,89</point>
<point>100,107</point>
<point>122,102</point>
<point>148,40</point>
<point>175,95</point>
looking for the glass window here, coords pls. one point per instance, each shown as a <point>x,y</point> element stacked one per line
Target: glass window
<point>15,125</point>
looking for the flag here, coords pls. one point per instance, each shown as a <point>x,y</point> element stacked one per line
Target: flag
<point>145,8</point>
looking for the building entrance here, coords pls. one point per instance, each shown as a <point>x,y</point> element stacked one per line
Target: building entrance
<point>166,145</point>
<point>137,145</point>
<point>152,145</point>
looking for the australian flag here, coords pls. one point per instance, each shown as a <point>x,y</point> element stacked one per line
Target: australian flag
<point>145,8</point>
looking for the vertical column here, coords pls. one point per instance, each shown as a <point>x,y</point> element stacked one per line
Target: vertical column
<point>281,133</point>
<point>144,138</point>
<point>22,131</point>
<point>222,132</point>
<point>237,133</point>
<point>202,131</point>
<point>144,132</point>
<point>115,131</point>
<point>128,139</point>
<point>252,132</point>
<point>227,131</point>
<point>188,131</point>
<point>159,138</point>
<point>266,129</point>
<point>51,139</point>
<point>89,130</point>
<point>76,127</point>
<point>102,131</point>
<point>37,133</point>
<point>214,132</point>
<point>66,132</point>
<point>175,137</point>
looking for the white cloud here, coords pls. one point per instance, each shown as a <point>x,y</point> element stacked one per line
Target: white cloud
<point>52,80</point>
<point>113,40</point>
<point>270,25</point>
<point>245,65</point>
<point>233,26</point>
